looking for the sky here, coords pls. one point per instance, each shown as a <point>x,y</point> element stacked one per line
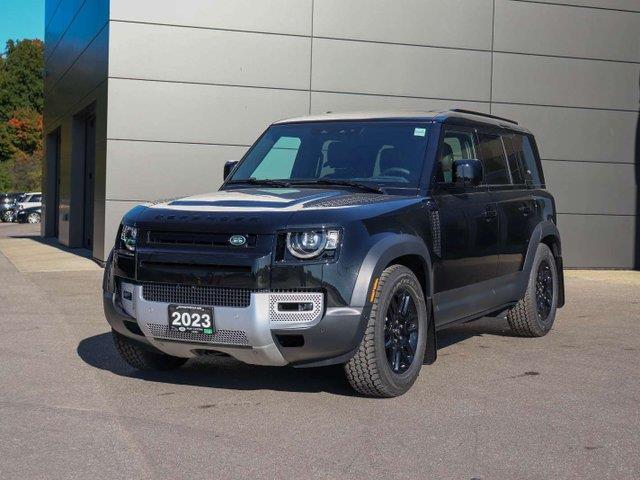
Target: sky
<point>21,19</point>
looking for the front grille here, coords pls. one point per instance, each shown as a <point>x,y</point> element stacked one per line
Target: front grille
<point>222,337</point>
<point>196,239</point>
<point>197,295</point>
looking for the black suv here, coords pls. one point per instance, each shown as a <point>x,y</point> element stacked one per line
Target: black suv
<point>343,239</point>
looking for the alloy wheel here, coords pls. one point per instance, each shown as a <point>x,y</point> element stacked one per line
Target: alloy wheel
<point>544,290</point>
<point>401,331</point>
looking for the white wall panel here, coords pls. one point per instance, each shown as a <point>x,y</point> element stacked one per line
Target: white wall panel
<point>632,5</point>
<point>597,241</point>
<point>362,67</point>
<point>278,16</point>
<point>237,58</point>
<point>344,102</point>
<point>596,188</point>
<point>178,112</point>
<point>454,23</point>
<point>567,31</point>
<point>578,134</point>
<point>165,170</point>
<point>565,82</point>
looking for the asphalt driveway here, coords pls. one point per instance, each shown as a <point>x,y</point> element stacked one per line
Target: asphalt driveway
<point>492,407</point>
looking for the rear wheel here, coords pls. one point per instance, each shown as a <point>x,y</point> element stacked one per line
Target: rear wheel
<point>33,217</point>
<point>389,358</point>
<point>533,316</point>
<point>143,358</point>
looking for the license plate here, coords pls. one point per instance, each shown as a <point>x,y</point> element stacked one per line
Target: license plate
<point>185,318</point>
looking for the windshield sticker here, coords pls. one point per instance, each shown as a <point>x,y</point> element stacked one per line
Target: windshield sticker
<point>419,132</point>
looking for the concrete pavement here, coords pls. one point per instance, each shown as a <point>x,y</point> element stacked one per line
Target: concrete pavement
<point>492,407</point>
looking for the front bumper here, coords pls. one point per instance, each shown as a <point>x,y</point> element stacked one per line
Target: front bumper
<point>256,334</point>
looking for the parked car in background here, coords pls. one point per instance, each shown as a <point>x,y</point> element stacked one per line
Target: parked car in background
<point>28,200</point>
<point>7,205</point>
<point>29,215</point>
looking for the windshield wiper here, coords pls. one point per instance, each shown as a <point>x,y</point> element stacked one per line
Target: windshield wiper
<point>344,183</point>
<point>256,181</point>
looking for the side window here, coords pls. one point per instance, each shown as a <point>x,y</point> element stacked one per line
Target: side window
<point>515,160</point>
<point>524,148</point>
<point>37,198</point>
<point>278,162</point>
<point>494,162</point>
<point>456,145</point>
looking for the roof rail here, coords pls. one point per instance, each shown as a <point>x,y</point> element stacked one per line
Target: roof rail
<point>480,114</point>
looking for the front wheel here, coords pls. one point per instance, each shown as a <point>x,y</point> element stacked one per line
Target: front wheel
<point>144,358</point>
<point>533,315</point>
<point>389,358</point>
<point>6,217</point>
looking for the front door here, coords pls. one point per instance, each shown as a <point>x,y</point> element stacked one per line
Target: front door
<point>468,223</point>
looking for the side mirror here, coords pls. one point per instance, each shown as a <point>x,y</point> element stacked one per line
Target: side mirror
<point>467,172</point>
<point>228,167</point>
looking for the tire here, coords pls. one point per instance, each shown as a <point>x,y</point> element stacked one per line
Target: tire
<point>142,358</point>
<point>6,217</point>
<point>370,371</point>
<point>33,217</point>
<point>524,318</point>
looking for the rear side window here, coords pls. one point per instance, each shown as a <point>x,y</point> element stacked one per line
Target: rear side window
<point>494,162</point>
<point>523,147</point>
<point>515,160</point>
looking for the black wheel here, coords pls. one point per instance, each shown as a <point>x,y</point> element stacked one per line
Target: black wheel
<point>144,358</point>
<point>33,217</point>
<point>533,316</point>
<point>390,355</point>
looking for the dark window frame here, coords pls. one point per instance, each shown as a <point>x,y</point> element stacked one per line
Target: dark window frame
<point>448,187</point>
<point>499,134</point>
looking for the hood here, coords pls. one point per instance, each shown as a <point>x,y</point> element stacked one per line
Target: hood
<point>257,210</point>
<point>271,199</point>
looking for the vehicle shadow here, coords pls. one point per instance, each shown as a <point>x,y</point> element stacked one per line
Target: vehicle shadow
<point>98,351</point>
<point>219,372</point>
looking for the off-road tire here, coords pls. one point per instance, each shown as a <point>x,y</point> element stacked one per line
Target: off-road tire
<point>368,371</point>
<point>143,358</point>
<point>523,317</point>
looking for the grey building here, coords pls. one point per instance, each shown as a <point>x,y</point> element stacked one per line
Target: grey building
<point>147,99</point>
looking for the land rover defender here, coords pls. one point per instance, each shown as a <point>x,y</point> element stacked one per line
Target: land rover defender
<point>343,239</point>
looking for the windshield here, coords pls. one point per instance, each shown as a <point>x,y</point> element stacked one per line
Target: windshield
<point>377,153</point>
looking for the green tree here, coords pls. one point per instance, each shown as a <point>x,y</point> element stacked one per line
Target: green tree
<point>21,71</point>
<point>21,102</point>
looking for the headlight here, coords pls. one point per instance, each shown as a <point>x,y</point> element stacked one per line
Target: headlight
<point>311,243</point>
<point>129,237</point>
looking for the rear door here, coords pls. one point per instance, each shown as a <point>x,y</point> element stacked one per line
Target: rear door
<point>467,218</point>
<point>505,178</point>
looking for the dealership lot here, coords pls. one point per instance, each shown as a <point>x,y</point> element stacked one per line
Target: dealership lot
<point>493,406</point>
